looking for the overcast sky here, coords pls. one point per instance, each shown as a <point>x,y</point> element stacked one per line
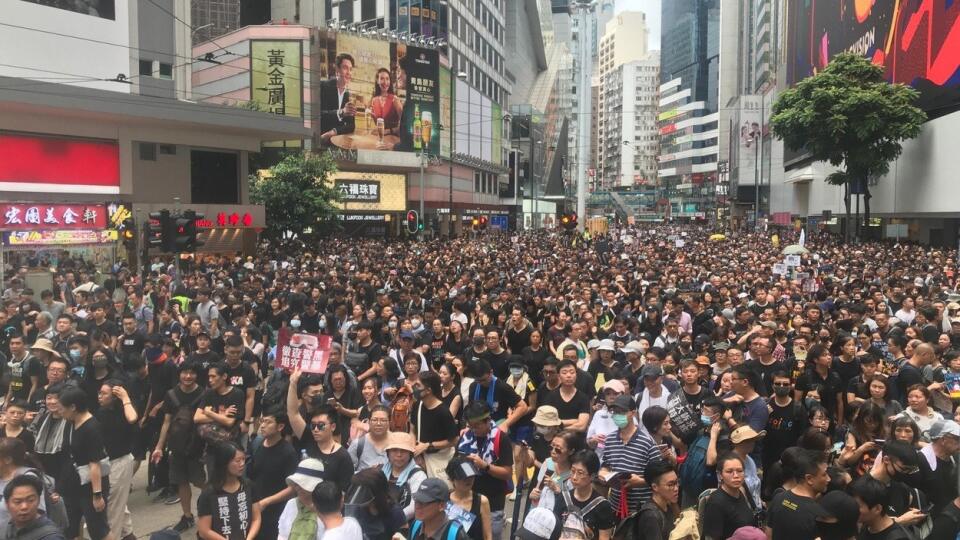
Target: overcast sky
<point>652,9</point>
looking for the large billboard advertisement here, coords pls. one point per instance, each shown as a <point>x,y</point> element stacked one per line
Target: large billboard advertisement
<point>379,95</point>
<point>105,9</point>
<point>446,101</point>
<point>276,73</point>
<point>917,41</point>
<point>40,164</point>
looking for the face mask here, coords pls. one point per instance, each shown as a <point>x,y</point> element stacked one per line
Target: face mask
<point>781,391</point>
<point>295,323</point>
<point>516,371</point>
<point>74,354</point>
<point>392,324</point>
<point>415,322</point>
<point>477,341</point>
<point>543,430</point>
<point>323,323</point>
<point>620,420</point>
<point>417,393</point>
<point>706,420</point>
<point>100,363</point>
<point>809,402</point>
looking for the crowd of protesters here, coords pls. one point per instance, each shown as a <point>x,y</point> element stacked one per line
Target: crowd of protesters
<point>655,382</point>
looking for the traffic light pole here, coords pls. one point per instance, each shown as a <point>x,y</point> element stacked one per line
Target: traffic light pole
<point>420,216</point>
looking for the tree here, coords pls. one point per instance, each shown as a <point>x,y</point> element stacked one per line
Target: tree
<point>849,116</point>
<point>296,196</point>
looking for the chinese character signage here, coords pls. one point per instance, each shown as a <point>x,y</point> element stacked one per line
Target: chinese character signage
<point>309,352</point>
<point>390,98</point>
<point>276,76</point>
<point>52,216</point>
<point>59,238</point>
<point>370,192</point>
<point>358,190</point>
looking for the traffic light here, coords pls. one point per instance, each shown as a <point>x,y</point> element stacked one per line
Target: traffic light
<point>475,223</point>
<point>194,229</point>
<point>159,231</point>
<point>569,221</point>
<point>483,222</point>
<point>128,233</point>
<point>185,232</point>
<point>413,222</point>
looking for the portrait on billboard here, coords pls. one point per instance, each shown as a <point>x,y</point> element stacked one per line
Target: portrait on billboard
<point>105,9</point>
<point>379,96</point>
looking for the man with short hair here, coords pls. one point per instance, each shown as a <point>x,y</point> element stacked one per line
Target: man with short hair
<point>328,502</point>
<point>242,376</point>
<point>429,509</point>
<point>572,404</point>
<point>491,453</point>
<point>628,450</point>
<point>657,515</point>
<point>22,495</point>
<point>505,406</point>
<point>207,311</point>
<point>873,499</point>
<point>19,364</point>
<point>794,513</point>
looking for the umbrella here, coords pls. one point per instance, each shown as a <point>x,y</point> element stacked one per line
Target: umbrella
<point>795,249</point>
<point>87,287</point>
<point>717,237</point>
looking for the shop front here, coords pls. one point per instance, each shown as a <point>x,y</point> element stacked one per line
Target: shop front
<point>43,236</point>
<point>372,204</point>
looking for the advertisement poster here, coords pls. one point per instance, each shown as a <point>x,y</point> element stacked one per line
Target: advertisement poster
<point>917,42</point>
<point>105,9</point>
<point>309,352</point>
<point>58,238</point>
<point>390,100</point>
<point>445,111</point>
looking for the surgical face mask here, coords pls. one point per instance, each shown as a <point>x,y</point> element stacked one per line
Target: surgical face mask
<point>781,391</point>
<point>415,323</point>
<point>323,324</point>
<point>478,341</point>
<point>516,371</point>
<point>392,324</point>
<point>417,393</point>
<point>75,354</point>
<point>99,363</point>
<point>706,420</point>
<point>620,420</point>
<point>295,323</point>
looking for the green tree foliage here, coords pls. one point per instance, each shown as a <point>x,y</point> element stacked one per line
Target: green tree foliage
<point>849,116</point>
<point>296,196</point>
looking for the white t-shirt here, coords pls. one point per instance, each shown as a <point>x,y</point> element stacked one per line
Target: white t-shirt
<point>348,530</point>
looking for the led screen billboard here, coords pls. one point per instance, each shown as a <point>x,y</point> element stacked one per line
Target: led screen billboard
<point>917,41</point>
<point>379,95</point>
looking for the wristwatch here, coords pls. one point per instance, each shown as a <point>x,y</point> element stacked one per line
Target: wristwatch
<point>98,494</point>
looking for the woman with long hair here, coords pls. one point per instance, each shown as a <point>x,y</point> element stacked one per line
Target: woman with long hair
<point>368,501</point>
<point>468,506</point>
<point>534,355</point>
<point>87,487</point>
<point>450,389</point>
<point>456,341</point>
<point>727,508</point>
<point>225,508</point>
<point>385,104</point>
<point>864,439</point>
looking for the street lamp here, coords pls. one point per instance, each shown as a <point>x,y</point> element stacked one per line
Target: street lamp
<point>462,76</point>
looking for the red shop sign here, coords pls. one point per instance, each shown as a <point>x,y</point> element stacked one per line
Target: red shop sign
<point>52,216</point>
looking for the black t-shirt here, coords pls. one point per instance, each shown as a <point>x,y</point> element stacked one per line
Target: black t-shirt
<point>600,518</point>
<point>894,532</point>
<point>19,376</point>
<point>723,514</point>
<point>517,340</point>
<point>501,401</point>
<point>25,436</point>
<point>499,362</point>
<point>568,410</point>
<point>118,434</point>
<point>436,425</point>
<point>37,369</point>
<point>185,399</point>
<point>108,327</point>
<point>694,400</point>
<point>784,427</point>
<point>907,377</point>
<point>793,516</point>
<point>131,345</point>
<point>535,361</point>
<point>242,377</point>
<point>350,399</point>
<point>827,388</point>
<point>270,466</point>
<point>230,513</point>
<point>221,402</point>
<point>86,443</point>
<point>337,467</point>
<point>766,372</point>
<point>162,378</point>
<point>847,371</point>
<point>203,361</point>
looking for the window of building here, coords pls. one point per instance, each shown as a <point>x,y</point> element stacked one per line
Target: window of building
<point>476,182</point>
<point>148,151</point>
<point>214,177</point>
<point>146,68</point>
<point>166,71</point>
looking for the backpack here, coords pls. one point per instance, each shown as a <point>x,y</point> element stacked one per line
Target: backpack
<point>694,468</point>
<point>56,510</point>
<point>401,493</point>
<point>275,395</point>
<point>400,411</point>
<point>574,518</point>
<point>181,437</point>
<point>452,530</point>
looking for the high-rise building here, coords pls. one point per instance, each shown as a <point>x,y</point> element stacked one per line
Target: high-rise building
<point>628,139</point>
<point>624,40</point>
<point>689,107</point>
<point>212,18</point>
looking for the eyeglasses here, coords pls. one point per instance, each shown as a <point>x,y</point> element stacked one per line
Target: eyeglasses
<point>378,420</point>
<point>318,426</point>
<point>557,449</point>
<point>733,472</point>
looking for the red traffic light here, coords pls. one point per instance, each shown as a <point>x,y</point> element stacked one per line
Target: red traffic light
<point>411,216</point>
<point>483,220</point>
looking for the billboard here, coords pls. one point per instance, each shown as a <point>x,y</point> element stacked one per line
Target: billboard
<point>446,100</point>
<point>379,95</point>
<point>38,164</point>
<point>276,73</point>
<point>370,192</point>
<point>105,9</point>
<point>918,42</point>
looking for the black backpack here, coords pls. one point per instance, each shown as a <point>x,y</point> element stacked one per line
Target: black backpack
<point>275,394</point>
<point>401,494</point>
<point>181,437</point>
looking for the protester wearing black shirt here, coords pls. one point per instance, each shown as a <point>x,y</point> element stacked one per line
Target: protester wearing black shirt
<point>727,509</point>
<point>269,466</point>
<point>498,395</point>
<point>86,486</point>
<point>873,499</point>
<point>226,507</point>
<point>793,514</point>
<point>786,422</point>
<point>221,405</point>
<point>572,404</point>
<point>118,419</point>
<point>240,376</point>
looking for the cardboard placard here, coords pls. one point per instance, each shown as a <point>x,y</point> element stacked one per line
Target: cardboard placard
<point>309,352</point>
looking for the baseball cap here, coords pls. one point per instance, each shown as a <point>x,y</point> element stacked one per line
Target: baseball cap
<point>632,347</point>
<point>944,427</point>
<point>607,345</point>
<point>745,433</point>
<point>651,370</point>
<point>593,343</point>
<point>540,524</point>
<point>623,403</point>
<point>547,416</point>
<point>463,471</point>
<point>769,324</point>
<point>308,475</point>
<point>721,346</point>
<point>614,385</point>
<point>432,490</point>
<point>702,361</point>
<point>406,334</point>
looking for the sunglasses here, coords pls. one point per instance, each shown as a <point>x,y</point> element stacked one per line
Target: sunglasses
<point>318,426</point>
